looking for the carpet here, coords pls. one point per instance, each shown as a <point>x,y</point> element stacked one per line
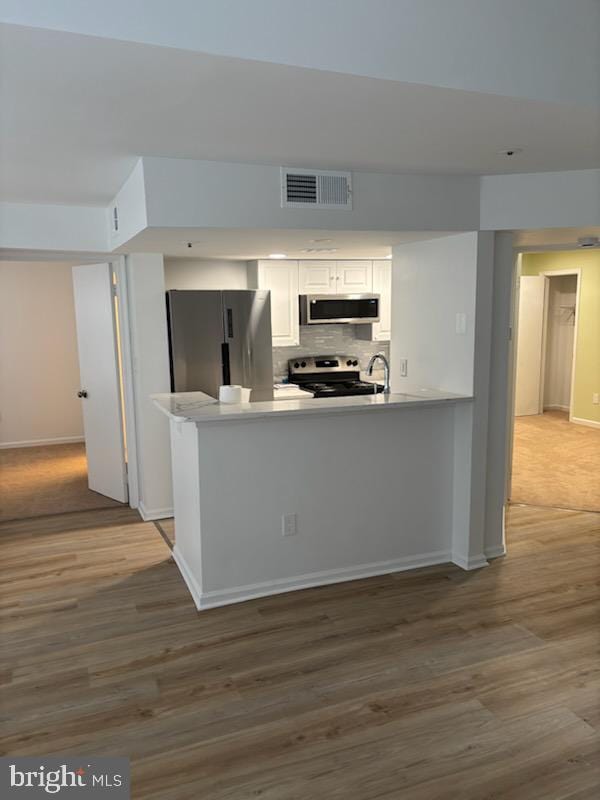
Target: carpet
<point>52,479</point>
<point>556,463</point>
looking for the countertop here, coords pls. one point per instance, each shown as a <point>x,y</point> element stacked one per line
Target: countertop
<point>199,407</point>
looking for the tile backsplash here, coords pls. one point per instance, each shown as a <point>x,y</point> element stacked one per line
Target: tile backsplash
<point>322,340</point>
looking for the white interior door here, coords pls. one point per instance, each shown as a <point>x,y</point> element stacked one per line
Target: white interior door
<point>100,385</point>
<point>530,345</point>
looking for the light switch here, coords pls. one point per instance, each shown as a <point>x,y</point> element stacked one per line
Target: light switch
<point>289,525</point>
<point>461,323</point>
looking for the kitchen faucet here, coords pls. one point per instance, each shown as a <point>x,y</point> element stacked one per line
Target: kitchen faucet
<point>386,370</point>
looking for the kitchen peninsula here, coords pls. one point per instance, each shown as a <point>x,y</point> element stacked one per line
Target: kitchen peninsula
<point>280,495</point>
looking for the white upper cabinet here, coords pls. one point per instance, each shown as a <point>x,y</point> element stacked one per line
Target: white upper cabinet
<point>354,277</point>
<point>335,277</point>
<point>318,277</point>
<point>382,285</point>
<point>288,279</point>
<point>281,279</point>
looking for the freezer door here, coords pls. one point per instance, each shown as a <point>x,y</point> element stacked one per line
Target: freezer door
<point>247,322</point>
<point>195,320</point>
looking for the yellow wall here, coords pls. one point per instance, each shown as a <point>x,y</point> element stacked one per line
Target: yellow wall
<point>587,366</point>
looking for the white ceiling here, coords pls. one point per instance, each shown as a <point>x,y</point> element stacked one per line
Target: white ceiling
<point>78,110</point>
<point>248,244</point>
<point>540,49</point>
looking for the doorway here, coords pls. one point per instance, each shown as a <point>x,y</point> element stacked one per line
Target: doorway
<point>556,462</point>
<point>56,347</point>
<point>546,351</point>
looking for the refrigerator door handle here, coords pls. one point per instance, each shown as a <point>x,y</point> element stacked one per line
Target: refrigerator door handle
<point>229,322</point>
<point>225,364</point>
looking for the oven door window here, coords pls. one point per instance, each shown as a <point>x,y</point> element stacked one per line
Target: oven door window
<point>344,309</point>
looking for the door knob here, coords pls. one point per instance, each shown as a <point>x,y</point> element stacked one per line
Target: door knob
<point>82,393</point>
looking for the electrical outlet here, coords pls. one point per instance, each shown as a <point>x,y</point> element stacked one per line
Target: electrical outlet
<point>403,367</point>
<point>289,525</point>
<point>596,398</point>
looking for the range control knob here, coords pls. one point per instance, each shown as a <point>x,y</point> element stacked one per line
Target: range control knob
<point>348,363</point>
<point>296,365</point>
<point>303,364</point>
<point>355,363</point>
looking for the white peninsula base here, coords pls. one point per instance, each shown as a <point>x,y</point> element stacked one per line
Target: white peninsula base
<point>269,499</point>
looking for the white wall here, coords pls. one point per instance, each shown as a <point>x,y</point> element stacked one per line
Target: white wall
<point>500,412</point>
<point>432,282</point>
<point>540,200</point>
<point>176,193</point>
<point>39,370</point>
<point>131,208</point>
<point>188,193</point>
<point>203,273</point>
<point>471,432</point>
<point>560,337</point>
<point>50,227</point>
<point>150,354</point>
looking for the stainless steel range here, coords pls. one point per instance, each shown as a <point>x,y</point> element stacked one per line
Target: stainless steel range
<point>330,376</point>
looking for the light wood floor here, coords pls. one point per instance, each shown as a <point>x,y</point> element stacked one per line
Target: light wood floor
<point>429,685</point>
<point>556,462</point>
<point>50,479</point>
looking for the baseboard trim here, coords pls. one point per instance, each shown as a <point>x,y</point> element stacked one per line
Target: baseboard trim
<point>495,552</point>
<point>590,423</point>
<point>150,514</point>
<point>470,562</point>
<point>41,442</point>
<point>237,594</point>
<point>555,407</point>
<point>186,573</point>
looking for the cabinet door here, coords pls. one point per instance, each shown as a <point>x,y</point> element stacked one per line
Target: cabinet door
<point>382,285</point>
<point>353,277</point>
<point>317,277</point>
<point>281,279</point>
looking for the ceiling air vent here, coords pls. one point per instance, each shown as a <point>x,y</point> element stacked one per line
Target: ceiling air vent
<point>301,188</point>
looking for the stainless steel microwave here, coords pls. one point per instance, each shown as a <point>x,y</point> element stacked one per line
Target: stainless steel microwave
<point>316,309</point>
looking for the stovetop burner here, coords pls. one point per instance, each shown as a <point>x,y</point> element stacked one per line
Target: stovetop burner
<point>342,389</point>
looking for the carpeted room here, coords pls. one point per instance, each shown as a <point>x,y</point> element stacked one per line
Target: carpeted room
<point>556,447</point>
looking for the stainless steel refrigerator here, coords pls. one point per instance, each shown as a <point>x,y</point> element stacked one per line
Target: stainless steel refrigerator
<point>220,338</point>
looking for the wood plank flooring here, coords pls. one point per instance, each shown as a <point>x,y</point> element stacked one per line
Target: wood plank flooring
<point>428,685</point>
